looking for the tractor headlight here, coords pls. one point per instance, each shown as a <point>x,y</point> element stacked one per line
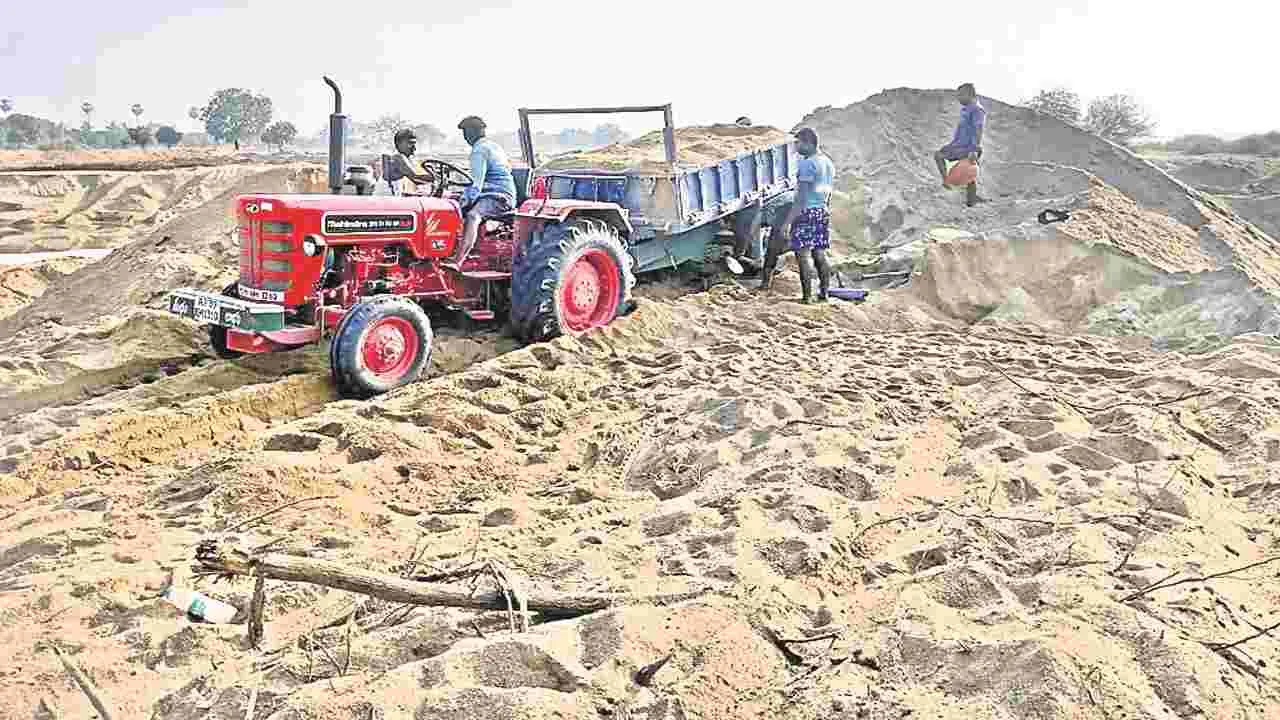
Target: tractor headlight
<point>312,245</point>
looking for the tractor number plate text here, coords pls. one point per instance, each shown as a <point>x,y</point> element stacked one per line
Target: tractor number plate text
<point>206,310</point>
<point>364,224</point>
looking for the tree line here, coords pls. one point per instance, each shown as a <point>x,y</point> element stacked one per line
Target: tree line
<point>231,116</point>
<point>1119,118</point>
<point>238,115</point>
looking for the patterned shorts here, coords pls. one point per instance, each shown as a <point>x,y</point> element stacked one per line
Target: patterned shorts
<point>812,230</point>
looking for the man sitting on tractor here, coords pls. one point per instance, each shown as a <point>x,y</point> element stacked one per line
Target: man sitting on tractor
<point>493,188</point>
<point>399,167</point>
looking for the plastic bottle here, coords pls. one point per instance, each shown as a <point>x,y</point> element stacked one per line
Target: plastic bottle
<point>200,608</point>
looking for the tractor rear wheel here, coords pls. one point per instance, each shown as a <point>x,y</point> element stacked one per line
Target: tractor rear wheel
<point>569,278</point>
<point>218,334</point>
<point>380,345</point>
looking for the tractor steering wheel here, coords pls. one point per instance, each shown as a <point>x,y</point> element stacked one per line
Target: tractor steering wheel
<point>443,171</point>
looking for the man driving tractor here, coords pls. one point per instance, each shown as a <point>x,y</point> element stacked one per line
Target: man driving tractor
<point>493,188</point>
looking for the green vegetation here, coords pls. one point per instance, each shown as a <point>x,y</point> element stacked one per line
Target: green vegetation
<point>280,134</point>
<point>235,114</point>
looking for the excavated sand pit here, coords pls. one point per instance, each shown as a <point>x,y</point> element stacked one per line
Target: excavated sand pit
<point>52,211</point>
<point>20,284</point>
<point>1037,481</point>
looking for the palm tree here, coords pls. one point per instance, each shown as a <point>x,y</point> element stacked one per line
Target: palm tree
<point>137,112</point>
<point>87,109</point>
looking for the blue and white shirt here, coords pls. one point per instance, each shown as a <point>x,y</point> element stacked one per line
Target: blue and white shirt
<point>491,172</point>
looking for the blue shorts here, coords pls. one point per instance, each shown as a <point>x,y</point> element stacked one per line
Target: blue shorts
<point>955,152</point>
<point>812,230</point>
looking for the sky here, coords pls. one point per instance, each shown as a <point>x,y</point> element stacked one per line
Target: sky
<point>434,61</point>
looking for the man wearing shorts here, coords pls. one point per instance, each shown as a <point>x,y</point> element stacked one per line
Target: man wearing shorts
<point>807,227</point>
<point>966,143</point>
<point>493,191</point>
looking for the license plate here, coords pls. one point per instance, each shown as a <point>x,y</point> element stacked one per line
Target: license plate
<point>205,310</point>
<point>213,309</point>
<point>269,296</point>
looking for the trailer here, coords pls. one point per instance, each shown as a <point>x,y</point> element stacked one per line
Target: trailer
<point>674,214</point>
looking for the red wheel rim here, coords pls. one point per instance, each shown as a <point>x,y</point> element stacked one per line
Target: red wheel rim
<point>390,347</point>
<point>589,293</point>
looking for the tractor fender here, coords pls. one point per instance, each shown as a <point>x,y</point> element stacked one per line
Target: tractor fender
<point>535,210</point>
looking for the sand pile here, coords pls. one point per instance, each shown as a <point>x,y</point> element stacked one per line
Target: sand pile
<point>697,146</point>
<point>49,211</point>
<point>1218,174</point>
<point>101,329</point>
<point>20,284</point>
<point>1248,185</point>
<point>1261,210</point>
<point>1167,260</point>
<point>971,520</point>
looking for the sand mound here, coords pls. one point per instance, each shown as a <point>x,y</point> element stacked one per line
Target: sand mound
<point>21,284</point>
<point>968,516</point>
<point>1261,210</point>
<point>1215,174</point>
<point>66,210</point>
<point>101,329</point>
<point>695,147</point>
<point>1179,263</point>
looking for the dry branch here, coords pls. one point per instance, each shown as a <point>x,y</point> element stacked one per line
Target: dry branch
<point>210,555</point>
<point>1163,584</point>
<point>83,683</point>
<point>1220,647</point>
<point>1082,408</point>
<point>256,605</point>
<point>251,521</point>
<point>1142,517</point>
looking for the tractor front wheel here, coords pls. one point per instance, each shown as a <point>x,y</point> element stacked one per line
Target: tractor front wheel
<point>569,278</point>
<point>218,334</point>
<point>380,345</point>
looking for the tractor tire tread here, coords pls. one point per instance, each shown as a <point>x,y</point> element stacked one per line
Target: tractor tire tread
<point>538,266</point>
<point>344,361</point>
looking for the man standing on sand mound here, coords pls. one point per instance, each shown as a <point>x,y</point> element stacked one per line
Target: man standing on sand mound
<point>966,143</point>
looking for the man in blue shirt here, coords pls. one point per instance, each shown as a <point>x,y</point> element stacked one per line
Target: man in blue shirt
<point>493,190</point>
<point>966,143</point>
<point>808,222</point>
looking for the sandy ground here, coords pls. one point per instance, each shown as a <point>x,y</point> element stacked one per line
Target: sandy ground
<point>1035,480</point>
<point>20,284</point>
<point>695,147</point>
<point>1249,185</point>
<point>155,158</point>
<point>63,210</point>
<point>966,511</point>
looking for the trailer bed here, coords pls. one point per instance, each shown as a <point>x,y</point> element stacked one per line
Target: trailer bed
<point>672,200</point>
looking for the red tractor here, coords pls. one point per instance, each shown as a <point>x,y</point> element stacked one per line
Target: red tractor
<point>360,269</point>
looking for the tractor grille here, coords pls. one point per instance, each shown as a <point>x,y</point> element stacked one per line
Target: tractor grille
<point>265,254</point>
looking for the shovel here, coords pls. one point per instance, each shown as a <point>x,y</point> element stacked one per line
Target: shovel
<point>844,293</point>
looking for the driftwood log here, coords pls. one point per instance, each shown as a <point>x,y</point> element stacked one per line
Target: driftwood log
<point>211,555</point>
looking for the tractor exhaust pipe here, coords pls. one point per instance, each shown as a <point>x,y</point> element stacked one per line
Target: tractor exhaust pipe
<point>339,126</point>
